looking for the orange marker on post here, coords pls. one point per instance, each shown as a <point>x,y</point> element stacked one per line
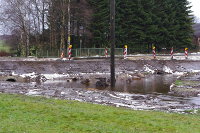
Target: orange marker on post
<point>186,53</point>
<point>154,52</point>
<point>125,51</point>
<point>106,52</point>
<point>70,52</point>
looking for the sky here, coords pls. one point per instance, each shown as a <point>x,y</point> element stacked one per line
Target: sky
<point>195,7</point>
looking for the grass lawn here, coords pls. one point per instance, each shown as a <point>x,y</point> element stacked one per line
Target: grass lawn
<point>4,47</point>
<point>23,114</point>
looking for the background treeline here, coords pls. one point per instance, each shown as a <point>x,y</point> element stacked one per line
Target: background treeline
<point>42,24</point>
<point>143,23</point>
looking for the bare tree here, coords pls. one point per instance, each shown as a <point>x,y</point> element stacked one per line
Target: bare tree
<point>18,16</point>
<point>44,23</point>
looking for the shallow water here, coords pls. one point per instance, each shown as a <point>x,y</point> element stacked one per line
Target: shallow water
<point>195,100</point>
<point>151,84</point>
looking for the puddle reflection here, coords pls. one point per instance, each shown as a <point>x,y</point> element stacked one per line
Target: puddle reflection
<point>151,84</point>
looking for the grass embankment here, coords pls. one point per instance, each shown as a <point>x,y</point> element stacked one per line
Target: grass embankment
<point>40,115</point>
<point>186,88</point>
<point>186,83</point>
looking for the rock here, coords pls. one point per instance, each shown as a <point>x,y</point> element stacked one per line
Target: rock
<point>109,81</point>
<point>74,79</point>
<point>140,75</point>
<point>138,97</point>
<point>159,72</point>
<point>136,78</point>
<point>124,76</point>
<point>85,82</point>
<point>91,89</point>
<point>101,83</point>
<point>40,78</point>
<point>129,80</point>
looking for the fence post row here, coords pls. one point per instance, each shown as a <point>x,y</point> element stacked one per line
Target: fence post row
<point>97,51</point>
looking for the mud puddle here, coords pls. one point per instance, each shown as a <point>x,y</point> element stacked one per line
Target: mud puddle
<point>148,85</point>
<point>149,93</point>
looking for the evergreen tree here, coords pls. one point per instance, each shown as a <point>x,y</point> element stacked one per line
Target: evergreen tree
<point>143,23</point>
<point>100,22</point>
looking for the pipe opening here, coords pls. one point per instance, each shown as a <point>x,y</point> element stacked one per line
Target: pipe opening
<point>11,80</point>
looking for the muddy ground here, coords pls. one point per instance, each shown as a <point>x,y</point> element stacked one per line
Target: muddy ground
<point>187,85</point>
<point>94,66</point>
<point>30,77</point>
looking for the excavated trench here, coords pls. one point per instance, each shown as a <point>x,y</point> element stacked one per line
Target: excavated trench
<point>141,85</point>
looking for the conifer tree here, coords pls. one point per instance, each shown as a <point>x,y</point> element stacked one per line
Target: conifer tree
<point>143,23</point>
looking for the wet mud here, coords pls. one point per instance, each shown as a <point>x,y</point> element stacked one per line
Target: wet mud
<point>187,86</point>
<point>141,85</point>
<point>147,98</point>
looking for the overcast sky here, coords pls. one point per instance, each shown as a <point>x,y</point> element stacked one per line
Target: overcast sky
<point>195,7</point>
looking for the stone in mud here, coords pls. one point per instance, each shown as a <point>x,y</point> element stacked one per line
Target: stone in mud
<point>140,75</point>
<point>85,82</point>
<point>74,79</point>
<point>159,72</point>
<point>138,97</point>
<point>124,76</point>
<point>101,83</point>
<point>129,80</point>
<point>109,81</point>
<point>40,78</point>
<point>102,79</point>
<point>136,78</point>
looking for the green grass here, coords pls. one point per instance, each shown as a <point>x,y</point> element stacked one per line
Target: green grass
<point>22,114</point>
<point>4,47</point>
<point>187,83</point>
<point>179,82</point>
